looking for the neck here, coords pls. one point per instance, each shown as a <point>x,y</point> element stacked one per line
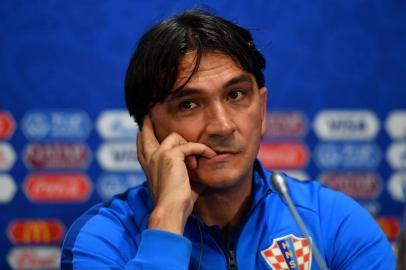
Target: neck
<point>224,207</point>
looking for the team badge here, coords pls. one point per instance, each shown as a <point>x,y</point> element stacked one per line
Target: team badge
<point>288,253</point>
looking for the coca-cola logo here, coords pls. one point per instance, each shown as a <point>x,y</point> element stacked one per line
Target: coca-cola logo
<point>74,187</point>
<point>283,155</point>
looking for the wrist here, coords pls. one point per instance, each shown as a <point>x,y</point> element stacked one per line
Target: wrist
<point>171,219</point>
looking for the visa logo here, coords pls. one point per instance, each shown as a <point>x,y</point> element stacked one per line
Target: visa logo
<point>118,156</point>
<point>395,124</point>
<point>397,186</point>
<point>332,156</point>
<point>8,188</point>
<point>116,124</point>
<point>7,156</point>
<point>346,125</point>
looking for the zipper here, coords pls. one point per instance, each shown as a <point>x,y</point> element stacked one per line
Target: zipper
<point>231,261</point>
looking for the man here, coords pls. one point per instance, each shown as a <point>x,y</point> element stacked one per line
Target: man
<point>196,89</point>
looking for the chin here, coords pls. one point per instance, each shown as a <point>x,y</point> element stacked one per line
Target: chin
<point>219,176</point>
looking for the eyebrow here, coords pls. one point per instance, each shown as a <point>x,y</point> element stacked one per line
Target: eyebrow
<point>188,91</point>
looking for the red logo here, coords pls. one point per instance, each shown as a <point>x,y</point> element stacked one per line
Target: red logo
<point>356,185</point>
<point>288,252</point>
<point>283,155</point>
<point>40,231</point>
<point>390,226</point>
<point>34,258</point>
<point>7,125</point>
<point>73,187</point>
<point>286,124</point>
<point>57,155</point>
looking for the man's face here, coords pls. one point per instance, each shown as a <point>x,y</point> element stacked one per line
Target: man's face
<point>221,107</point>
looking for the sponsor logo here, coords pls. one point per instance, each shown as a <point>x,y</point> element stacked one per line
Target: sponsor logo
<point>390,226</point>
<point>397,186</point>
<point>349,156</point>
<point>7,156</point>
<point>373,207</point>
<point>69,124</point>
<point>118,156</point>
<point>116,124</point>
<point>35,257</point>
<point>298,175</point>
<point>396,155</point>
<point>57,155</point>
<point>110,184</point>
<point>74,187</point>
<point>39,231</point>
<point>355,184</point>
<point>7,125</point>
<point>286,124</point>
<point>8,188</point>
<point>283,155</point>
<point>395,124</point>
<point>346,125</point>
<point>288,252</point>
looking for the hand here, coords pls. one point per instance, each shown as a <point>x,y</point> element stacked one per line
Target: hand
<point>166,166</point>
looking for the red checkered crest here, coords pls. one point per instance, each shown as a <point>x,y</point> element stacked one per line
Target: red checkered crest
<point>288,253</point>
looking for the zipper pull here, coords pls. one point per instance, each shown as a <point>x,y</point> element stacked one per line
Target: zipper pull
<point>232,262</point>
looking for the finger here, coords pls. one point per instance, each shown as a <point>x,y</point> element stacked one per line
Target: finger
<point>191,162</point>
<point>148,140</point>
<point>171,141</point>
<point>190,148</point>
<point>140,154</point>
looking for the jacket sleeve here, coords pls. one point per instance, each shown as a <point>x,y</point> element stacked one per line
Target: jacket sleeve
<point>161,250</point>
<point>104,243</point>
<point>354,240</point>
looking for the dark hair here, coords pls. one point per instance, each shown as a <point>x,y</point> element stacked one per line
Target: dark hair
<point>153,69</point>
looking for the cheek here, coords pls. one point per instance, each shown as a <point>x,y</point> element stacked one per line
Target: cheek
<point>189,130</point>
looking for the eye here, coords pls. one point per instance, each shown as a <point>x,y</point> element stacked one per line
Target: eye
<point>236,95</point>
<point>187,105</point>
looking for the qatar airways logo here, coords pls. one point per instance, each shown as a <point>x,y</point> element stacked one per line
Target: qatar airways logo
<point>118,156</point>
<point>57,155</point>
<point>358,185</point>
<point>395,124</point>
<point>64,124</point>
<point>346,125</point>
<point>116,124</point>
<point>286,124</point>
<point>354,155</point>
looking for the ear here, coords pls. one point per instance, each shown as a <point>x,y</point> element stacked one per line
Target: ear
<point>263,97</point>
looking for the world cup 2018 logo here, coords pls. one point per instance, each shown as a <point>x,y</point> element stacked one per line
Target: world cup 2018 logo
<point>288,253</point>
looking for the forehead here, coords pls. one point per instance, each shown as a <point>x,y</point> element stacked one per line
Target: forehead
<point>212,66</point>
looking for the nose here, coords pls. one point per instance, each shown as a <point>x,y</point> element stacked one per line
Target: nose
<point>219,121</point>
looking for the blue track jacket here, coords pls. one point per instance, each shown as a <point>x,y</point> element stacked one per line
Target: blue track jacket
<point>114,235</point>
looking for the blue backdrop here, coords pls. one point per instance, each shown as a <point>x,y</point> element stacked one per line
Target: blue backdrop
<point>336,75</point>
